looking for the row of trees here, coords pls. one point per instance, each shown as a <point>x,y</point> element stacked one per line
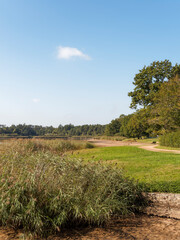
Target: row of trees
<point>132,125</point>
<point>156,98</point>
<point>67,130</point>
<point>86,130</point>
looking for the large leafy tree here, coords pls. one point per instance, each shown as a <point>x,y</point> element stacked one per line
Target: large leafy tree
<point>148,82</point>
<point>166,109</point>
<point>113,127</point>
<point>138,125</point>
<point>118,126</point>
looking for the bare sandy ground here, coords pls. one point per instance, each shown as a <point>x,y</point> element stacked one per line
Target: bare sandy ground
<point>140,227</point>
<point>164,205</point>
<point>146,146</point>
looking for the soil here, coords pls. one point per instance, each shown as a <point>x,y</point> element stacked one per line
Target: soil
<point>140,227</point>
<point>137,227</point>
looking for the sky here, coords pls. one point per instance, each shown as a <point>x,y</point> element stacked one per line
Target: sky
<point>74,61</point>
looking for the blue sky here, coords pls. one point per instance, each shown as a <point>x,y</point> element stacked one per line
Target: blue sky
<point>73,61</point>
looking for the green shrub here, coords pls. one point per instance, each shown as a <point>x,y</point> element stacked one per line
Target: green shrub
<point>42,192</point>
<point>170,139</point>
<point>89,145</point>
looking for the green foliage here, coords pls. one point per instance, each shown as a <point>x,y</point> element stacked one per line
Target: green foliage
<point>42,192</point>
<point>118,127</point>
<point>124,131</point>
<point>130,126</point>
<point>89,145</point>
<point>157,89</point>
<point>171,139</point>
<point>138,124</point>
<point>113,128</point>
<point>166,109</point>
<point>148,82</point>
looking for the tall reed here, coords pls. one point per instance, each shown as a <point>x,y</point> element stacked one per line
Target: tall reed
<point>43,192</point>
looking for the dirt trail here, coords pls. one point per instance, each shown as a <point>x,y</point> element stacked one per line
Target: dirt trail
<point>154,149</point>
<point>146,146</point>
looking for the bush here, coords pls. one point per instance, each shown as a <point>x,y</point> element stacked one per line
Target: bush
<point>170,139</point>
<point>89,145</point>
<point>42,192</point>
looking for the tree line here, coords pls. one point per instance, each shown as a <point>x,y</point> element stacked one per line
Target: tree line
<point>67,130</point>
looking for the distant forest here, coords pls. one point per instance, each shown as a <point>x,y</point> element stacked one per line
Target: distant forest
<point>156,99</point>
<point>67,130</point>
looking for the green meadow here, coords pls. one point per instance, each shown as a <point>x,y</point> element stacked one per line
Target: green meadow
<point>156,171</point>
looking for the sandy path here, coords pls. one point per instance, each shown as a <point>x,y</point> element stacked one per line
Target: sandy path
<point>146,146</point>
<point>154,149</point>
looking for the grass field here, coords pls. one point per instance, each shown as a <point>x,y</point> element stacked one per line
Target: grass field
<point>159,172</point>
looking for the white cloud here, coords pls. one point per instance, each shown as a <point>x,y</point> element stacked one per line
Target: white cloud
<point>35,100</point>
<point>69,52</point>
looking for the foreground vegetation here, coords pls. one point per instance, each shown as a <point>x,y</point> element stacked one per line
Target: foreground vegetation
<point>157,172</point>
<point>42,191</point>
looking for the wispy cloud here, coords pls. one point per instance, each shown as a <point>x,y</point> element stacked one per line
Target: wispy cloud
<point>35,100</point>
<point>69,52</point>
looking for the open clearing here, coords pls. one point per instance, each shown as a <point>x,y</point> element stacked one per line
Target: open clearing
<point>159,171</point>
<point>143,145</point>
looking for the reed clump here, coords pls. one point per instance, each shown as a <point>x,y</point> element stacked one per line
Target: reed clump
<point>43,192</point>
